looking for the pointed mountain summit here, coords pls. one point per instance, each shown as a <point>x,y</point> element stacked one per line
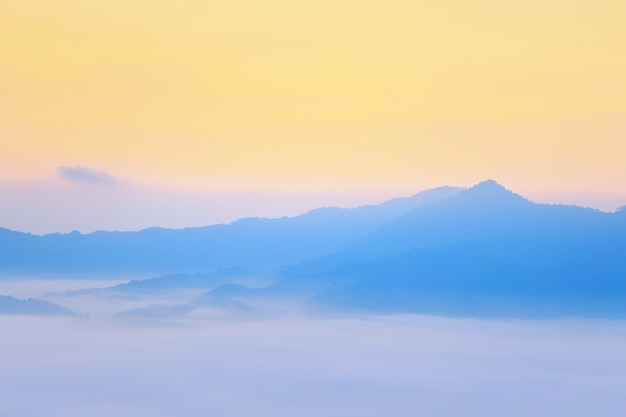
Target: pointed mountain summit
<point>490,185</point>
<point>481,212</point>
<point>490,188</point>
<point>488,194</point>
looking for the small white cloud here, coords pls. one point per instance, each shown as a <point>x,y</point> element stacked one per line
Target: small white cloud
<point>82,174</point>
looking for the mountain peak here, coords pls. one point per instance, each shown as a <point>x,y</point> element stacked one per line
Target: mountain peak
<point>491,192</point>
<point>489,185</point>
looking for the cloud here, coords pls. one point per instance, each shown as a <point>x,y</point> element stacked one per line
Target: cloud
<point>82,174</point>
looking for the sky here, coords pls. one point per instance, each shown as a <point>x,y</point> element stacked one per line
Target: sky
<point>228,103</point>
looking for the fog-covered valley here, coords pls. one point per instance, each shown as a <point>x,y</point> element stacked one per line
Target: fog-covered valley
<point>280,359</point>
<point>401,365</point>
<point>454,302</point>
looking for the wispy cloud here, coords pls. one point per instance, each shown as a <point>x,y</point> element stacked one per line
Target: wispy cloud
<point>82,174</point>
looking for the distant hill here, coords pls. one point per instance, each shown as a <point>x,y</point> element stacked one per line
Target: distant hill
<point>31,306</point>
<point>253,243</point>
<point>483,251</point>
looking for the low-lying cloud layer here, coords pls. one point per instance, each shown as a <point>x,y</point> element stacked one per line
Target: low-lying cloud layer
<point>392,366</point>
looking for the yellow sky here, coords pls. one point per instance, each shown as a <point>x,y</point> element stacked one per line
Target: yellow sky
<point>315,93</point>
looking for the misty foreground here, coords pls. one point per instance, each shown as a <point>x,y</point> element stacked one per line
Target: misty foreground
<point>344,367</point>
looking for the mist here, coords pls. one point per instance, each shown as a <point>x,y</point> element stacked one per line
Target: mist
<point>403,365</point>
<point>400,309</point>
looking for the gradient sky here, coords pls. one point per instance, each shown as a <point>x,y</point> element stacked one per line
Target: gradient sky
<point>367,96</point>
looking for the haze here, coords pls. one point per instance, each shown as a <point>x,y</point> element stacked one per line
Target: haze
<point>369,366</point>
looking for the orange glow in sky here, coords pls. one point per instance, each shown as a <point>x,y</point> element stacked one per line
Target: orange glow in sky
<point>284,94</point>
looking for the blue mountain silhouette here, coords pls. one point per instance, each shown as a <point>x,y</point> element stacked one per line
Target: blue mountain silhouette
<point>484,249</point>
<point>31,306</point>
<point>485,211</point>
<point>254,243</point>
<point>480,251</point>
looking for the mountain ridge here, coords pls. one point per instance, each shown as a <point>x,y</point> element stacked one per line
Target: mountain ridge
<point>253,243</point>
<point>480,251</point>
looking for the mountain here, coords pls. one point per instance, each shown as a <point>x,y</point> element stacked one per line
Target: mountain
<point>484,251</point>
<point>253,243</point>
<point>31,306</point>
<point>486,211</point>
<point>505,277</point>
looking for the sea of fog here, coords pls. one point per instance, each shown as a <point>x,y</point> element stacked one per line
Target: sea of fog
<point>301,366</point>
<point>35,287</point>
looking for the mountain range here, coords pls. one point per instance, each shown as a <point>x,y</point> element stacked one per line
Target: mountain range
<point>31,307</point>
<point>254,243</point>
<point>478,251</point>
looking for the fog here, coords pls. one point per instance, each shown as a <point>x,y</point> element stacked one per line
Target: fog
<point>27,287</point>
<point>277,361</point>
<point>306,366</point>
